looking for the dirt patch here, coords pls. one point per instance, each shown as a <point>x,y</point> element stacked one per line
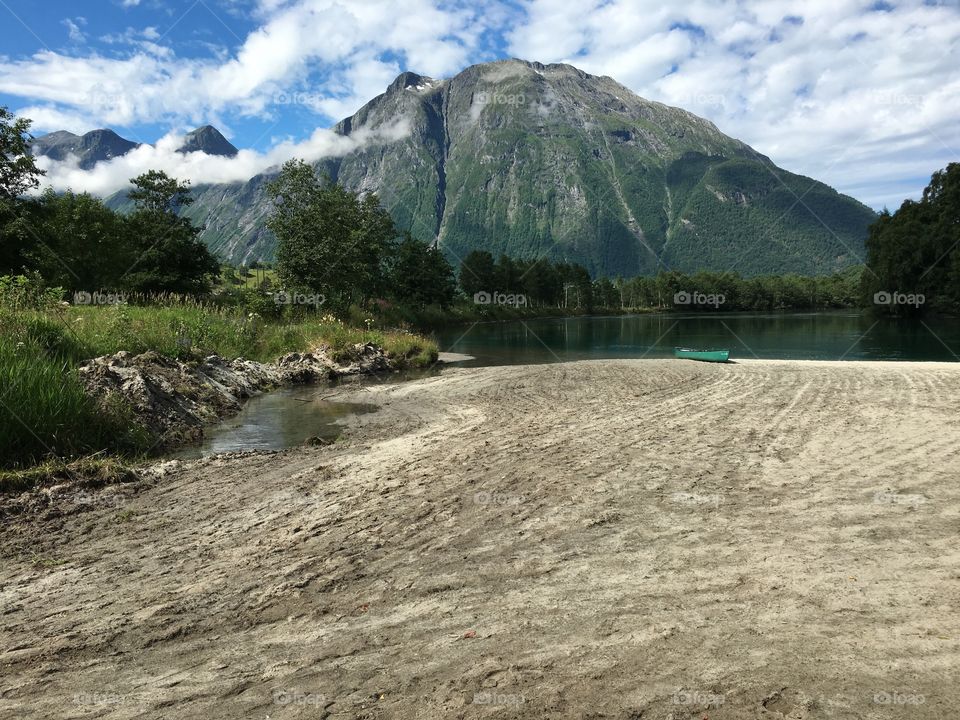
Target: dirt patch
<point>652,539</point>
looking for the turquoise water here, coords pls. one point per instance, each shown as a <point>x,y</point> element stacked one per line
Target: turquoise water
<point>802,336</point>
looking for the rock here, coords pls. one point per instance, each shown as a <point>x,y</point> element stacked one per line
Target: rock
<point>317,441</point>
<point>173,399</point>
<point>365,358</point>
<point>302,368</point>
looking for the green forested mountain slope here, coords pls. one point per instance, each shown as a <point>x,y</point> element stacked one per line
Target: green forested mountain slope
<point>548,161</point>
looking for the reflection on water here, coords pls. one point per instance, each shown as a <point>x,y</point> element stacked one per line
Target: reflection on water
<point>279,419</point>
<point>805,336</point>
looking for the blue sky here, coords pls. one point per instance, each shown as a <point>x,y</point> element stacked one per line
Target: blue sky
<point>864,95</point>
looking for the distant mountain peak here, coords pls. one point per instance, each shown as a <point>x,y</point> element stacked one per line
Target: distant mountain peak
<point>89,148</point>
<point>209,140</point>
<point>411,81</point>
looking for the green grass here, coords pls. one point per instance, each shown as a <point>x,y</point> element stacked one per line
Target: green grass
<point>192,331</point>
<point>257,276</point>
<point>44,411</point>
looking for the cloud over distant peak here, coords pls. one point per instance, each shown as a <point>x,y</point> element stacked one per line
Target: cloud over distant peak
<point>107,177</point>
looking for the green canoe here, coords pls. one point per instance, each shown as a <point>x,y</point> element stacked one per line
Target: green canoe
<point>705,355</point>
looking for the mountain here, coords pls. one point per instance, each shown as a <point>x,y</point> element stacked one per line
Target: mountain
<point>90,148</point>
<point>97,145</point>
<point>538,160</point>
<point>209,140</point>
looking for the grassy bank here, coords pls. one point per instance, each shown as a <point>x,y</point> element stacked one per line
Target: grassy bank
<point>45,413</point>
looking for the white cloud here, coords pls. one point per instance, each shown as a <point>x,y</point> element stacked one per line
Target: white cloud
<point>47,117</point>
<point>110,176</point>
<point>74,32</point>
<point>296,39</point>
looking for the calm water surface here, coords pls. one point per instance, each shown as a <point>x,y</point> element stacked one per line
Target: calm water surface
<point>800,336</point>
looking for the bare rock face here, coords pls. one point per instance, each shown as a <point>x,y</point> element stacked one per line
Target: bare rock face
<point>174,400</point>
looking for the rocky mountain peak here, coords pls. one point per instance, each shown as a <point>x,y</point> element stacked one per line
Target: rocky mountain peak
<point>412,80</point>
<point>89,148</point>
<point>209,140</point>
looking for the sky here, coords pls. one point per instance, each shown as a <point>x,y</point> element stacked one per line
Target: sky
<point>861,94</point>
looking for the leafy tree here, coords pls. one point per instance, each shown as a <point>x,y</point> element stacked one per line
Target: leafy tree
<point>329,240</point>
<point>541,283</point>
<point>18,170</point>
<point>506,275</point>
<point>577,286</point>
<point>18,173</point>
<point>916,250</point>
<point>605,293</point>
<point>169,256</point>
<point>155,191</point>
<point>478,273</point>
<point>82,244</point>
<point>420,275</point>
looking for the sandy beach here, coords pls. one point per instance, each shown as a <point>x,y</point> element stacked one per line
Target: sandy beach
<point>603,539</point>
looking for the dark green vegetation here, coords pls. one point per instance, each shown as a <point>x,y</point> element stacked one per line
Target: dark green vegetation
<point>916,251</point>
<point>343,249</point>
<point>559,285</point>
<point>541,283</point>
<point>75,242</point>
<point>537,161</point>
<point>44,409</point>
<point>733,292</point>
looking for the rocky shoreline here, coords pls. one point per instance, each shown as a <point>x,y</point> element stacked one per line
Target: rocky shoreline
<point>175,400</point>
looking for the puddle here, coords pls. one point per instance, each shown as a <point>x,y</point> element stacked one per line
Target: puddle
<point>276,420</point>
